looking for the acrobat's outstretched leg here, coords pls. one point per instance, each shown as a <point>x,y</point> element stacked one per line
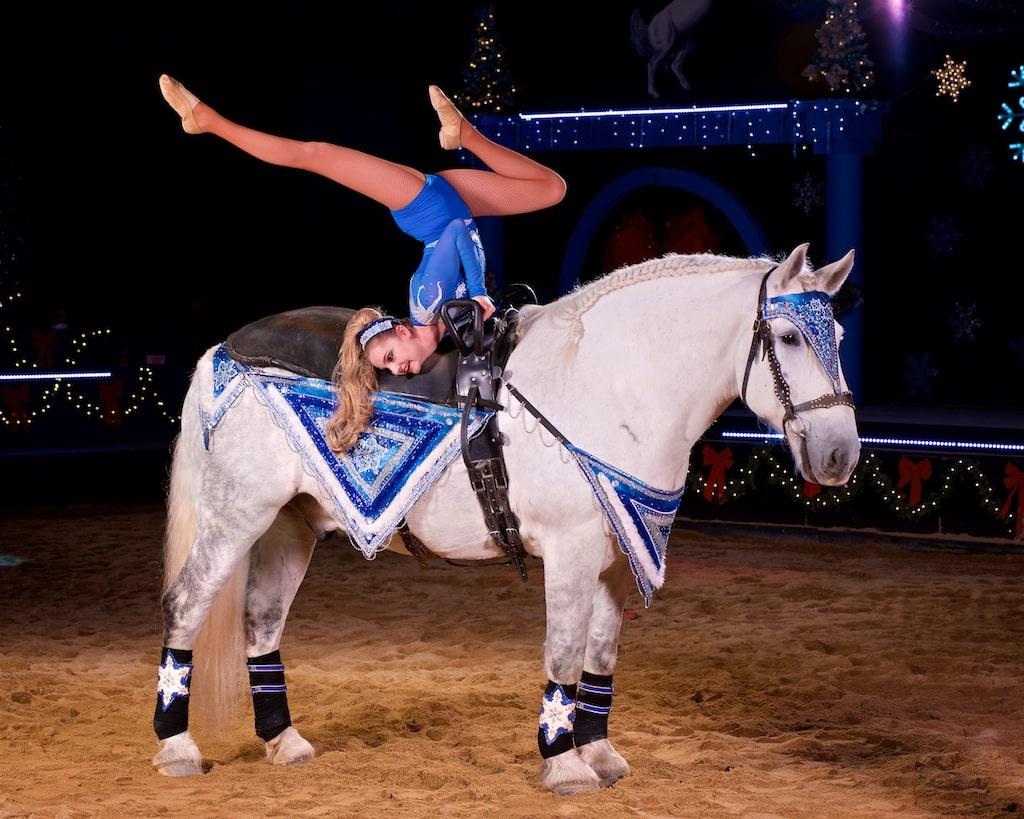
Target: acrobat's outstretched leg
<point>515,183</point>
<point>389,183</point>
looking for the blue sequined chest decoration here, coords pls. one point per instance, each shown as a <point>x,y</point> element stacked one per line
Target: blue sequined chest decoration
<point>641,515</point>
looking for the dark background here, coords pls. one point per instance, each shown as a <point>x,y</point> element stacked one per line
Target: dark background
<point>114,218</point>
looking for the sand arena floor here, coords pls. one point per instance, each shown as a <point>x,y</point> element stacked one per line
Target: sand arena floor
<point>767,679</point>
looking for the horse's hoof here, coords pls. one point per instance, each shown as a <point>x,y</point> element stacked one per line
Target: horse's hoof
<point>289,748</point>
<point>567,775</point>
<point>605,761</point>
<point>178,756</point>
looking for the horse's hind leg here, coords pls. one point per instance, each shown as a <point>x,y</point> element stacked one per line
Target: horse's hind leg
<point>677,64</point>
<point>594,696</point>
<point>221,541</point>
<point>277,566</point>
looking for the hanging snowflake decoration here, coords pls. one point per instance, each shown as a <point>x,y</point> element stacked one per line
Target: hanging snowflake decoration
<point>919,374</point>
<point>976,167</point>
<point>943,236</point>
<point>807,194</point>
<point>1010,116</point>
<point>952,78</point>
<point>965,322</point>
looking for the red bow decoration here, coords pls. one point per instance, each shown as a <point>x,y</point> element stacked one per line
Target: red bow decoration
<point>632,240</point>
<point>110,394</point>
<point>43,344</point>
<point>914,474</point>
<point>1014,481</point>
<point>720,462</point>
<point>812,490</point>
<point>15,399</point>
<point>689,233</point>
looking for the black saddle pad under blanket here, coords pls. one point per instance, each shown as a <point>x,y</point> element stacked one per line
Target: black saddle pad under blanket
<point>306,341</point>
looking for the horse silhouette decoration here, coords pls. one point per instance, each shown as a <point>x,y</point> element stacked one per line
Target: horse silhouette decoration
<point>667,35</point>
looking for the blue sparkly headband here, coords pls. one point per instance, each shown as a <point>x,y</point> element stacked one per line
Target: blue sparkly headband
<point>375,328</point>
<point>812,313</point>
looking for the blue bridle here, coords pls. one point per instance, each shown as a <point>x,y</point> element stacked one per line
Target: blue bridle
<point>812,314</point>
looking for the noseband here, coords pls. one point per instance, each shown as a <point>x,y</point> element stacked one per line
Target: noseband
<point>763,337</point>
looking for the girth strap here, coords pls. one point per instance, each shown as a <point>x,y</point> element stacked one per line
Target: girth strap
<point>414,546</point>
<point>477,384</point>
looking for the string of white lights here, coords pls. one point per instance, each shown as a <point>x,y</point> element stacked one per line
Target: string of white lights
<point>993,446</point>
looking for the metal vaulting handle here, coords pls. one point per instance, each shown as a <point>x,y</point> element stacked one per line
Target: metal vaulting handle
<point>449,311</point>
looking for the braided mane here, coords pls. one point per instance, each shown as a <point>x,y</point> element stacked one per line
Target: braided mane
<point>575,305</point>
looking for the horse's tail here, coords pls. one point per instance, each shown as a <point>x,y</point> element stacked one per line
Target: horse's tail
<point>638,34</point>
<point>218,681</point>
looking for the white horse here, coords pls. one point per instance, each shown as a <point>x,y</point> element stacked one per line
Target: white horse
<point>650,356</point>
<point>668,32</point>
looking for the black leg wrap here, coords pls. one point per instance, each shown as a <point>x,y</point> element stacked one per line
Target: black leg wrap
<point>269,695</point>
<point>593,704</point>
<point>557,712</point>
<point>173,680</point>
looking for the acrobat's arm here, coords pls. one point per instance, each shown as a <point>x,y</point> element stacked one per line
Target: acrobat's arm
<point>471,251</point>
<point>440,279</point>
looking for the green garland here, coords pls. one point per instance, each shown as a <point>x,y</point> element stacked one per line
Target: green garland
<point>763,466</point>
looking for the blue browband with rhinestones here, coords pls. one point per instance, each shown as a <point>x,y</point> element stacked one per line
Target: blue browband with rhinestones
<point>812,313</point>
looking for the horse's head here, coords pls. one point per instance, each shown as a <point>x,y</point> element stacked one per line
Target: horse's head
<point>791,374</point>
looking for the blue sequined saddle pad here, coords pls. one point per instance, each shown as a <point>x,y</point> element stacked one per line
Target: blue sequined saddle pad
<point>408,445</point>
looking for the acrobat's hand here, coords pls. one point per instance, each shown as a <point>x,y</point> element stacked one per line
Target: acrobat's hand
<point>487,304</point>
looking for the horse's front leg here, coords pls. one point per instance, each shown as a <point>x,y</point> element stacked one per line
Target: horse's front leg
<point>572,565</point>
<point>277,566</point>
<point>594,692</point>
<point>677,64</point>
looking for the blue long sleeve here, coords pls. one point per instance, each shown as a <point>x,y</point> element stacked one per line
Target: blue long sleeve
<point>471,251</point>
<point>453,268</point>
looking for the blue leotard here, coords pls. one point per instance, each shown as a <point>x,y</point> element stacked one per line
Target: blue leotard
<point>453,257</point>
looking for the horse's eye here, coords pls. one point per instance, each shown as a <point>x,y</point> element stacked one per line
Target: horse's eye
<point>789,338</point>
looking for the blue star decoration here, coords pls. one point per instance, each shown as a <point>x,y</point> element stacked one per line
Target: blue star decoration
<point>172,681</point>
<point>557,713</point>
<point>976,167</point>
<point>943,236</point>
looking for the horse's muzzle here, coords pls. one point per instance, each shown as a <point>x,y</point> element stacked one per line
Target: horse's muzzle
<point>834,462</point>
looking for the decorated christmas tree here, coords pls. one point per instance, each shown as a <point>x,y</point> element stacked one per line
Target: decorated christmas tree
<point>487,85</point>
<point>842,60</point>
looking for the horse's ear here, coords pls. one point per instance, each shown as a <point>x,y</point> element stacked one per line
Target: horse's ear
<point>831,276</point>
<point>784,278</point>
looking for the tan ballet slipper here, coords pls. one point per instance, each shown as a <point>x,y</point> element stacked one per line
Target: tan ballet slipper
<point>182,101</point>
<point>450,135</point>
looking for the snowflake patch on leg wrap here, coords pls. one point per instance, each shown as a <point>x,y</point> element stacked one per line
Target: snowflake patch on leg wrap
<point>557,714</point>
<point>172,680</point>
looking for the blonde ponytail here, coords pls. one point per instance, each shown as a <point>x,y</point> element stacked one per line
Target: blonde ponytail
<point>355,380</point>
